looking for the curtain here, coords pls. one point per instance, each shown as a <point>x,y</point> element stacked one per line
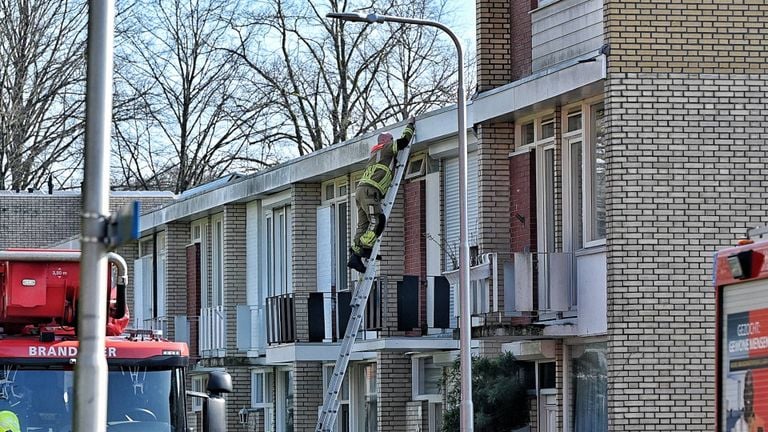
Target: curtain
<point>590,388</point>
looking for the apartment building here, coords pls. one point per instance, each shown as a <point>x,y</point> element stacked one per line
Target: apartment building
<point>614,145</point>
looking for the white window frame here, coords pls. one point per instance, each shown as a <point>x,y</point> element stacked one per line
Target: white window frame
<point>417,373</point>
<point>281,394</point>
<point>277,249</point>
<point>341,197</point>
<point>435,413</point>
<point>199,382</point>
<point>217,260</point>
<point>198,231</point>
<point>162,264</point>
<point>344,398</point>
<point>265,393</point>
<point>582,135</point>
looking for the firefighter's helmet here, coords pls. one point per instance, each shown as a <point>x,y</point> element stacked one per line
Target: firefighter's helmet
<point>9,422</point>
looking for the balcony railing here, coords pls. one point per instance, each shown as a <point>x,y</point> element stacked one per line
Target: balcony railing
<point>281,319</point>
<point>157,323</point>
<point>327,316</point>
<point>251,334</point>
<point>213,331</point>
<point>484,285</point>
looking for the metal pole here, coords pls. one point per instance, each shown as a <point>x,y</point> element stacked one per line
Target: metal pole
<point>465,319</point>
<point>91,370</point>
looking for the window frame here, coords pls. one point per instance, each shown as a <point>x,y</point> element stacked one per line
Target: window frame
<point>340,202</point>
<point>277,244</point>
<point>585,137</point>
<point>217,260</point>
<point>418,373</point>
<point>345,396</point>
<point>267,394</point>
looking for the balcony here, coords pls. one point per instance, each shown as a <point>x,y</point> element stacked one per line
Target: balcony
<point>564,30</point>
<point>213,338</point>
<point>326,319</point>
<point>251,333</point>
<point>157,323</point>
<point>483,287</point>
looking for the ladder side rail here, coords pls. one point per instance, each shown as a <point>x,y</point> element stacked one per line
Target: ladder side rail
<point>331,401</point>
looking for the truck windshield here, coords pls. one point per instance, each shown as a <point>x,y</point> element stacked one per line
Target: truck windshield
<point>138,399</point>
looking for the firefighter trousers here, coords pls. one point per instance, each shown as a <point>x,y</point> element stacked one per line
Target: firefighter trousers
<point>370,220</point>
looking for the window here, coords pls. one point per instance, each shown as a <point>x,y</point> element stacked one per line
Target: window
<point>343,420</point>
<point>546,209</point>
<point>417,166</point>
<point>277,243</point>
<point>427,379</point>
<point>527,133</point>
<point>217,261</point>
<point>285,398</point>
<point>199,382</point>
<point>597,172</point>
<point>584,160</point>
<point>261,395</point>
<point>370,392</point>
<point>336,228</point>
<point>589,380</point>
<point>199,234</point>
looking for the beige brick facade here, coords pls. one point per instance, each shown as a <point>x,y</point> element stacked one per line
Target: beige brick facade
<point>686,130</point>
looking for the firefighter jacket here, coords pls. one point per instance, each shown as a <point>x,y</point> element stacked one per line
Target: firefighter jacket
<point>381,163</point>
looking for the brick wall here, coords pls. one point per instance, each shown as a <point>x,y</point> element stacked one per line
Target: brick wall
<point>522,183</point>
<point>234,270</point>
<point>415,215</point>
<point>393,373</point>
<point>308,394</point>
<point>240,396</point>
<point>685,101</point>
<point>392,250</point>
<point>520,35</point>
<point>689,37</point>
<point>494,66</point>
<point>305,198</point>
<point>177,239</point>
<point>495,141</point>
<point>415,242</point>
<point>37,220</point>
<point>685,178</point>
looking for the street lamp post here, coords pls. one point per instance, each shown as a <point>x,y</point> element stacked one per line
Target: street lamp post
<point>465,323</point>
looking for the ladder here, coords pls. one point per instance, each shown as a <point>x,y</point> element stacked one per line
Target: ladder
<point>327,417</point>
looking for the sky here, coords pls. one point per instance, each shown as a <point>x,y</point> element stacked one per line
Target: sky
<point>465,20</point>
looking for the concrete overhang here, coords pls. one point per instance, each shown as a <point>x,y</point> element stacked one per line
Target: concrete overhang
<point>565,83</point>
<point>568,82</point>
<point>290,353</point>
<point>408,344</point>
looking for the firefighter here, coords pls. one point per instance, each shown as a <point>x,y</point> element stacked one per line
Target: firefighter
<point>9,422</point>
<point>371,188</point>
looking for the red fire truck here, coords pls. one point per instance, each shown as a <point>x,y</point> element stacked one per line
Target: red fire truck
<point>39,292</point>
<point>741,298</point>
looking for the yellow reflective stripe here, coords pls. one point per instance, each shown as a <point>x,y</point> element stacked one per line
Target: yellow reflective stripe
<point>382,185</point>
<point>368,238</point>
<point>408,132</point>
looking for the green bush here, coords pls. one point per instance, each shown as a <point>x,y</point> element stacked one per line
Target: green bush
<point>499,395</point>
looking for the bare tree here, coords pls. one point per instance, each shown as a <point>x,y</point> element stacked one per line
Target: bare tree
<point>184,117</point>
<point>334,80</point>
<point>42,90</point>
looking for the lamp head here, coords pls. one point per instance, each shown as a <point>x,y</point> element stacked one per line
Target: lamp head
<point>356,17</point>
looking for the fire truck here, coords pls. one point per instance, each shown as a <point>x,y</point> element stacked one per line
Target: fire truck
<point>39,292</point>
<point>741,334</point>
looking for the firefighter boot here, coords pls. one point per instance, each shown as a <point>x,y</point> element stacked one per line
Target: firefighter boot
<point>356,262</point>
